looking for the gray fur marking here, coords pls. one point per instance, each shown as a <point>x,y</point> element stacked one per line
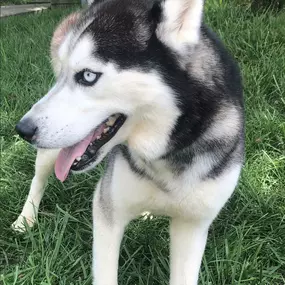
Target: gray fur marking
<point>142,172</point>
<point>105,200</point>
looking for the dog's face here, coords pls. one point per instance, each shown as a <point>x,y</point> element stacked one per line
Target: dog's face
<point>108,63</point>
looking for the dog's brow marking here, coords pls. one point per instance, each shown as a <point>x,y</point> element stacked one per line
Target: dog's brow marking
<point>78,33</point>
<point>82,50</point>
<point>64,48</point>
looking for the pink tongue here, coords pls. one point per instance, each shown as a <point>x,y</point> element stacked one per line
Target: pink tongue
<point>67,155</point>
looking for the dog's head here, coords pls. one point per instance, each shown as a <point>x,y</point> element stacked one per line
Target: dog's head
<point>113,64</point>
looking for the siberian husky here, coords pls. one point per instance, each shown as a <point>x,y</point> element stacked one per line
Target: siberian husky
<point>147,85</point>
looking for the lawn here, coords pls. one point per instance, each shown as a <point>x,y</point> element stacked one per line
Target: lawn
<point>246,243</point>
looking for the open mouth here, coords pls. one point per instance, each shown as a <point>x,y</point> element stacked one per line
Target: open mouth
<point>83,154</point>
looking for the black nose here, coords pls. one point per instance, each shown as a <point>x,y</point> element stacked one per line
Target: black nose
<point>26,129</point>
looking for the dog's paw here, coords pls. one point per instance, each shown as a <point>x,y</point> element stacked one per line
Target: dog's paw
<point>22,222</point>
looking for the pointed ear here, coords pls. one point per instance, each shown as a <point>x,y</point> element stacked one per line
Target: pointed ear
<point>90,2</point>
<point>59,36</point>
<point>181,23</point>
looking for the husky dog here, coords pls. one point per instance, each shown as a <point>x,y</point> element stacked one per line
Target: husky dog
<point>148,85</point>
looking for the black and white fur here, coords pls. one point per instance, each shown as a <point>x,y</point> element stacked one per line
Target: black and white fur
<point>180,150</point>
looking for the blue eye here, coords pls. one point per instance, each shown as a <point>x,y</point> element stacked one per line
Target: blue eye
<point>87,77</point>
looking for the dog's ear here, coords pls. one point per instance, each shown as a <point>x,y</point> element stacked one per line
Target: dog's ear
<point>89,2</point>
<point>59,36</point>
<point>180,23</point>
<point>155,13</point>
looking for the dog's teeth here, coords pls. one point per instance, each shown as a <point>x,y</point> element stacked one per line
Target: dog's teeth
<point>106,130</point>
<point>91,150</point>
<point>99,137</point>
<point>111,121</point>
<point>85,157</point>
<point>78,158</point>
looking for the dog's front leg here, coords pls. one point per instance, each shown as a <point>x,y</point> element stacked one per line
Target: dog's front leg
<point>188,240</point>
<point>43,168</point>
<point>107,236</point>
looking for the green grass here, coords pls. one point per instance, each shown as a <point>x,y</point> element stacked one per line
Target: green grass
<point>246,243</point>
